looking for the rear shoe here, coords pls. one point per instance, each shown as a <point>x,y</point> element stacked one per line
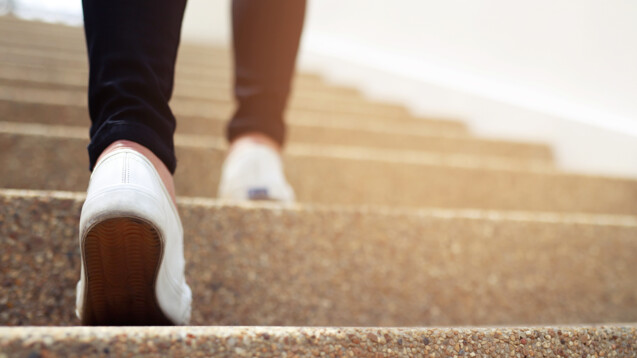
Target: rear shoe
<point>253,171</point>
<point>131,243</point>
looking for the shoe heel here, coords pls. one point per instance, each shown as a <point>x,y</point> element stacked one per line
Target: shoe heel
<point>122,258</point>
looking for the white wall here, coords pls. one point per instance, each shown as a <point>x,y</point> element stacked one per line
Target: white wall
<point>207,21</point>
<point>560,71</point>
<point>577,57</point>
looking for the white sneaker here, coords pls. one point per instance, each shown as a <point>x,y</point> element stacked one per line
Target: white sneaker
<point>253,171</point>
<point>131,242</point>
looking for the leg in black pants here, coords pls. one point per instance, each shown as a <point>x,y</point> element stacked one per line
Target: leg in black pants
<point>131,237</point>
<point>132,47</point>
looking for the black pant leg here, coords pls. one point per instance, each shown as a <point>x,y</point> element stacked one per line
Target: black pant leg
<point>132,48</point>
<point>266,36</point>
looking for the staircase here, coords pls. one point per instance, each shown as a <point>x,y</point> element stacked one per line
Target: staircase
<point>401,222</point>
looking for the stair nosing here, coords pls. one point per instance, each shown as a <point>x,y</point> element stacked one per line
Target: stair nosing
<point>357,153</point>
<point>547,217</point>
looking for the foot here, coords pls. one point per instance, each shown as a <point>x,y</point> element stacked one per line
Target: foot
<point>131,243</point>
<point>160,167</point>
<point>253,170</point>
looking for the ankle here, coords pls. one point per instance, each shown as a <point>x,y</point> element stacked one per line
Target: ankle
<point>255,137</point>
<point>160,167</point>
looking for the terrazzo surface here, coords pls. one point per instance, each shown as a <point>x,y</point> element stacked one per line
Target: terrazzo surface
<point>592,341</point>
<point>433,140</point>
<point>337,175</point>
<point>328,266</point>
<point>223,109</point>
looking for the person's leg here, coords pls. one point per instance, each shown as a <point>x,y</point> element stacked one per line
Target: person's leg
<point>132,47</point>
<point>266,38</point>
<point>131,238</point>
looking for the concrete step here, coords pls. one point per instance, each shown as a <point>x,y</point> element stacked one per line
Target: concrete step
<point>79,77</point>
<point>51,60</point>
<point>50,48</point>
<point>54,60</point>
<point>225,109</point>
<point>56,160</point>
<point>192,74</point>
<point>194,63</point>
<point>195,97</point>
<point>565,341</point>
<point>269,264</point>
<point>317,132</point>
<point>71,38</point>
<point>15,26</point>
<point>60,38</point>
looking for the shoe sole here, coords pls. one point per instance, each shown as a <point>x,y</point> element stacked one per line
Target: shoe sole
<point>121,260</point>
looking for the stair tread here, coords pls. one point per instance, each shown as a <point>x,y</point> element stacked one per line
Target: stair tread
<point>300,100</point>
<point>57,160</point>
<point>612,340</point>
<point>25,117</point>
<point>199,141</point>
<point>79,76</point>
<point>189,107</point>
<point>272,264</point>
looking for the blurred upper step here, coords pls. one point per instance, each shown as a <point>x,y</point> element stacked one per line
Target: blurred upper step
<point>196,98</point>
<point>71,38</point>
<point>269,264</point>
<point>49,49</point>
<point>224,109</point>
<point>195,72</point>
<point>309,132</point>
<point>308,94</point>
<point>307,84</point>
<point>187,76</point>
<point>48,157</point>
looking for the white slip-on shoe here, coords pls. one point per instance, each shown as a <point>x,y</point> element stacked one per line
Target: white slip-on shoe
<point>254,171</point>
<point>131,243</point>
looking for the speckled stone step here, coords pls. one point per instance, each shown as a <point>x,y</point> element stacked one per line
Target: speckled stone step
<point>204,71</point>
<point>195,64</point>
<point>195,99</point>
<point>208,59</point>
<point>79,77</point>
<point>304,85</point>
<point>56,159</point>
<point>51,46</point>
<point>74,43</point>
<point>317,132</point>
<point>205,68</point>
<point>185,74</point>
<point>189,69</point>
<point>564,341</point>
<point>269,264</point>
<point>16,26</point>
<point>71,38</point>
<point>223,109</point>
<point>42,40</point>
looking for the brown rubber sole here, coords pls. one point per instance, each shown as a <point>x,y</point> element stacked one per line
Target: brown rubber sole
<point>122,258</point>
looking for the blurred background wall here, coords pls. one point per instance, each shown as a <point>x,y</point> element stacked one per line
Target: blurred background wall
<point>558,71</point>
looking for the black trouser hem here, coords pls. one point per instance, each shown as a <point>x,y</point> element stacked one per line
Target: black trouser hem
<point>135,132</point>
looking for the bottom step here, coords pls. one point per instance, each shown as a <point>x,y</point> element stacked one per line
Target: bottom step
<point>592,341</point>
